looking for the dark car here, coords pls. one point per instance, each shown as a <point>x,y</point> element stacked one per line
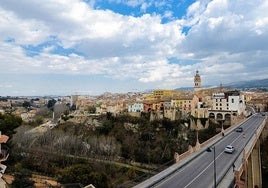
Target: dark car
<point>239,129</point>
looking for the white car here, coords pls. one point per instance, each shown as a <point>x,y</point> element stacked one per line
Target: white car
<point>229,149</point>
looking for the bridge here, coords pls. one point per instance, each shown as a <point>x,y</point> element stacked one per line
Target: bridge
<point>207,165</point>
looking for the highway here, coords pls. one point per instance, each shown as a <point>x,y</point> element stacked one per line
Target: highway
<point>200,171</point>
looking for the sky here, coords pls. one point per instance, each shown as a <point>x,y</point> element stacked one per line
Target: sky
<point>63,47</point>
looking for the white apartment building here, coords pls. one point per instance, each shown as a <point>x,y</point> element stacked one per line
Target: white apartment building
<point>135,107</point>
<point>229,101</point>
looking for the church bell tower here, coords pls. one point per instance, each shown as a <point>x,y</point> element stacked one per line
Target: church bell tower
<point>197,81</point>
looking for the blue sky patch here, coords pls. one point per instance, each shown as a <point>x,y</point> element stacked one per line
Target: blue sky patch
<point>159,7</point>
<point>32,50</point>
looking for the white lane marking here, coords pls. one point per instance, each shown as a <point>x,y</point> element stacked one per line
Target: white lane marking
<point>212,162</point>
<point>184,168</point>
<point>201,172</point>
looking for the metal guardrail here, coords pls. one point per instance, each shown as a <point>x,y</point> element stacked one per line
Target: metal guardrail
<point>247,152</point>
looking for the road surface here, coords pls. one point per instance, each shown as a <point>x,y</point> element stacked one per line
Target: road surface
<point>200,171</point>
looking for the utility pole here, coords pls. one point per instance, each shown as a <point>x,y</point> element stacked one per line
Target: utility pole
<point>215,184</point>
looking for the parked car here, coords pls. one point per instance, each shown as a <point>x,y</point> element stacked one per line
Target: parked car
<point>229,149</point>
<point>239,129</point>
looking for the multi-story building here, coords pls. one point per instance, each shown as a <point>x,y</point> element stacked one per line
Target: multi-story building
<point>147,106</point>
<point>135,107</point>
<point>162,93</point>
<point>227,106</point>
<point>183,104</point>
<point>229,101</point>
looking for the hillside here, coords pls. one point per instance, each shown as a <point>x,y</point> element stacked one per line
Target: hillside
<point>249,84</point>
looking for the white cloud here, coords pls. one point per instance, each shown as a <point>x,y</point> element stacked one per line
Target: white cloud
<point>226,37</point>
<point>24,32</point>
<point>6,86</point>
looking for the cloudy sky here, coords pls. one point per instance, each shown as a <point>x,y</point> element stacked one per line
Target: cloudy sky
<point>66,46</point>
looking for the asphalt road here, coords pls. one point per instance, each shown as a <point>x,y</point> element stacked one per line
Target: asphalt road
<point>199,173</point>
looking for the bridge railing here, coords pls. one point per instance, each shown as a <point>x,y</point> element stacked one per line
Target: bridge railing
<point>247,151</point>
<point>198,146</point>
<point>185,158</point>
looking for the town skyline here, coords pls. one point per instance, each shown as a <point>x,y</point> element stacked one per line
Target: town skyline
<point>92,47</point>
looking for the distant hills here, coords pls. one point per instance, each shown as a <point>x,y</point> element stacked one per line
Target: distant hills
<point>250,84</point>
<point>241,85</point>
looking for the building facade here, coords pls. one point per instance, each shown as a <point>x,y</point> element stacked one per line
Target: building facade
<point>135,107</point>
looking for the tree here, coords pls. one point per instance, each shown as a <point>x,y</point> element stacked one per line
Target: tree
<point>8,123</point>
<point>83,174</point>
<point>60,109</point>
<point>91,109</point>
<point>26,104</point>
<point>22,179</point>
<point>51,103</point>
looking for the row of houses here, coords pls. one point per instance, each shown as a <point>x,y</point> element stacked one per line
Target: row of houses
<point>217,106</point>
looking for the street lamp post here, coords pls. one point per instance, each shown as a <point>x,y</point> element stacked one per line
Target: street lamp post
<point>214,166</point>
<point>214,163</point>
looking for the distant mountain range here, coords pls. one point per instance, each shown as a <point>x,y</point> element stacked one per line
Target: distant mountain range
<point>250,84</point>
<point>241,85</point>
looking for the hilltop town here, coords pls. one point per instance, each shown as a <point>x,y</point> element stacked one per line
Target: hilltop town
<point>111,128</point>
<point>218,104</point>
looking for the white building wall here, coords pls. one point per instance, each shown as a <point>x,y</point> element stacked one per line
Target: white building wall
<point>237,103</point>
<point>136,107</point>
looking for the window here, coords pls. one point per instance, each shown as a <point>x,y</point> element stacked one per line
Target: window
<point>232,100</point>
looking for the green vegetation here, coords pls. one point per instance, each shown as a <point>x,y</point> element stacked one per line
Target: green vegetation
<point>8,123</point>
<point>22,179</point>
<point>51,103</point>
<point>91,109</point>
<point>26,104</point>
<point>85,153</point>
<point>83,174</point>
